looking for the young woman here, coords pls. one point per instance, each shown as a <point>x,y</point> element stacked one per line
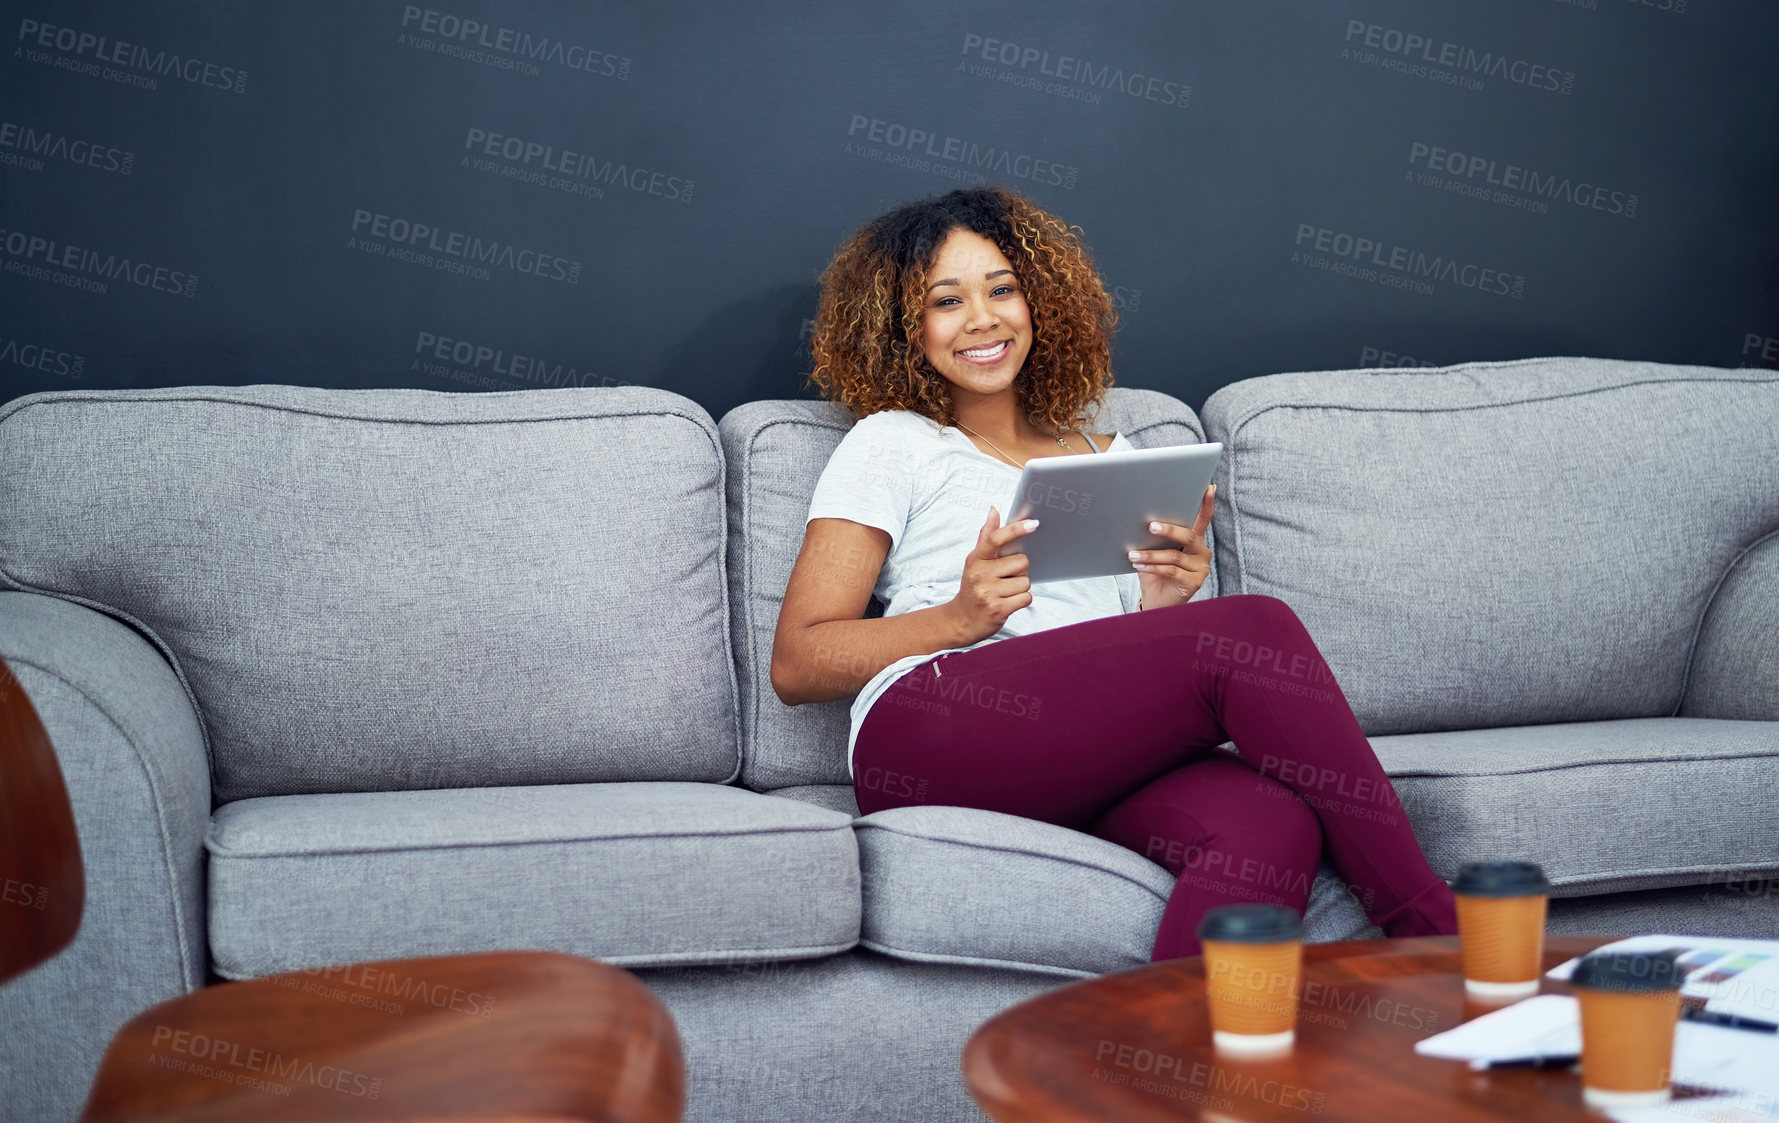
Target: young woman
<point>969,332</point>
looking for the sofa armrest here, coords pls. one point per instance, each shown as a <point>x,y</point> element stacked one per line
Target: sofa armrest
<point>132,752</point>
<point>1730,670</point>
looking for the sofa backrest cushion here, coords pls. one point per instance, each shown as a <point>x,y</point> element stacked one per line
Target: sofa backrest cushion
<point>1504,543</point>
<point>776,451</point>
<point>373,590</point>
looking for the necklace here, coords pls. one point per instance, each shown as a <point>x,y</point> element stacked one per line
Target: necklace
<point>997,448</point>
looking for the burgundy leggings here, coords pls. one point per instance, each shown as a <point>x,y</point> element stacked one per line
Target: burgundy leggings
<point>1112,726</point>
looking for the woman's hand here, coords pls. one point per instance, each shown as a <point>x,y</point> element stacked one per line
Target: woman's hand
<point>1172,576</point>
<point>992,588</point>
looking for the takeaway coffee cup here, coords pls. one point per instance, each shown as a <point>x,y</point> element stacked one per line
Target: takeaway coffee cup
<point>1501,928</point>
<point>1630,1004</point>
<point>1253,956</point>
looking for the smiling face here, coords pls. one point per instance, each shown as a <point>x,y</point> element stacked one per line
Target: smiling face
<point>976,326</point>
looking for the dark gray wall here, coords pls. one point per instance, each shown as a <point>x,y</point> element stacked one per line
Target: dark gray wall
<point>493,194</point>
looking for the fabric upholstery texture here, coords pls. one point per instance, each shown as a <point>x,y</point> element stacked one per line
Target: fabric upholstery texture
<point>440,585</point>
<point>836,797</point>
<point>853,1038</point>
<point>638,873</point>
<point>775,451</point>
<point>1735,664</point>
<point>962,885</point>
<point>131,754</point>
<point>1497,543</point>
<point>1729,906</point>
<point>1605,806</point>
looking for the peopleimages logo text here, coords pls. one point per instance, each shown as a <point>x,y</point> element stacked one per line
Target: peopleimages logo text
<point>426,239</point>
<point>214,1053</point>
<point>1517,179</point>
<point>463,33</point>
<point>44,258</point>
<point>35,356</point>
<point>578,165</point>
<point>434,349</point>
<point>30,142</point>
<point>1408,45</point>
<point>1413,266</point>
<point>79,46</point>
<point>912,143</point>
<point>1068,68</point>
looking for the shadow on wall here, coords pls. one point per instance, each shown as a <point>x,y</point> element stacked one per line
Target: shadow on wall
<point>749,349</point>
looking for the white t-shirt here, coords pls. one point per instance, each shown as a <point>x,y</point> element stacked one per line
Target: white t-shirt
<point>930,489</point>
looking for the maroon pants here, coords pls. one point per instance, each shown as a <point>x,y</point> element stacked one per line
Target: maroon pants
<point>1112,727</point>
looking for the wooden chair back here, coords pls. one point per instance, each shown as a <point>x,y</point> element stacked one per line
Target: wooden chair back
<point>42,884</point>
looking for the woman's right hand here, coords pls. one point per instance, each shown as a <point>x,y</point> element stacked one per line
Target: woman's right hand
<point>993,588</point>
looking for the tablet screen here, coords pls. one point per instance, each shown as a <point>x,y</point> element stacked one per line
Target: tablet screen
<point>1093,510</point>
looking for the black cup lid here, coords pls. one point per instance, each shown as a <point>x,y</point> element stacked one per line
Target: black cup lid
<point>1251,924</point>
<point>1501,879</point>
<point>1631,971</point>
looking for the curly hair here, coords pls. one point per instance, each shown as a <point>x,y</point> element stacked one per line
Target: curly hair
<point>867,343</point>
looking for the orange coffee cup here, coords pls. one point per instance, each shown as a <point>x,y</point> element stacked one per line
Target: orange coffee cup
<point>1253,958</point>
<point>1630,1004</point>
<point>1501,908</point>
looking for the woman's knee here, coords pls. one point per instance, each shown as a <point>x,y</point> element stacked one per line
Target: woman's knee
<point>1292,824</point>
<point>1271,610</point>
<point>1266,846</point>
<point>1218,803</point>
<point>1251,628</point>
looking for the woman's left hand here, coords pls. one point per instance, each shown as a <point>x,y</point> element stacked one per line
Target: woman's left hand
<point>1172,576</point>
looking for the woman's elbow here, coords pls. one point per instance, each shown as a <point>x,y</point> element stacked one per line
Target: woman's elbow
<point>778,688</point>
<point>784,681</point>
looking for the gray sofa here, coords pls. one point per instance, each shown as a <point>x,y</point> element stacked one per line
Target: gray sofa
<point>349,675</point>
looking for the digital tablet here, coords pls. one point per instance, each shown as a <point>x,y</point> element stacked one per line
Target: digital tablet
<point>1093,510</point>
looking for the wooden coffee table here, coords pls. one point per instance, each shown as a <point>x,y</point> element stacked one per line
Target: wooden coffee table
<point>1136,1046</point>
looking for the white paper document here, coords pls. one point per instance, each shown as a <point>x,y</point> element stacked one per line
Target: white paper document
<point>1740,1067</point>
<point>1693,1111</point>
<point>1546,1025</point>
<point>1739,977</point>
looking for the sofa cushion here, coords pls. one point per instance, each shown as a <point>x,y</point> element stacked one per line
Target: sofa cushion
<point>635,874</point>
<point>961,885</point>
<point>836,797</point>
<point>392,589</point>
<point>1603,806</point>
<point>1497,544</point>
<point>776,451</point>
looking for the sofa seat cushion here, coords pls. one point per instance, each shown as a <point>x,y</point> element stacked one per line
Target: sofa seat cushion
<point>961,885</point>
<point>1603,806</point>
<point>837,797</point>
<point>637,874</point>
